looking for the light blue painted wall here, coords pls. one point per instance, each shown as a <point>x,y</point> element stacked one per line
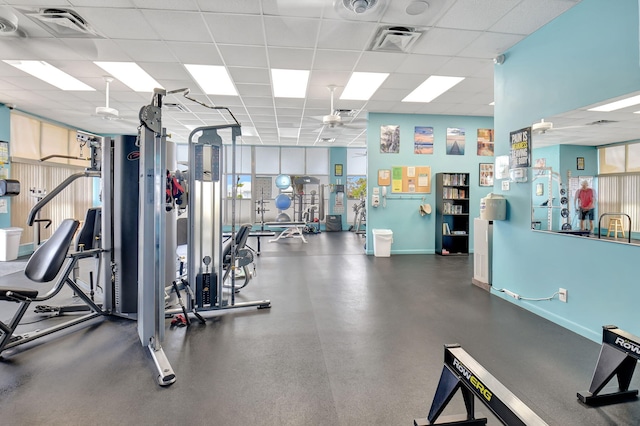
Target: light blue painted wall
<point>586,55</point>
<point>412,233</point>
<point>5,134</point>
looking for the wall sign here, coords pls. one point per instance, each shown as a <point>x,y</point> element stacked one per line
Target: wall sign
<point>520,153</point>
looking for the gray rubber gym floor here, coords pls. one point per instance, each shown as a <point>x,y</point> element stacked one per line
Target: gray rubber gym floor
<point>350,340</point>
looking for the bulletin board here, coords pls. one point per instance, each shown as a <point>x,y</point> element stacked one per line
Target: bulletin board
<point>411,179</point>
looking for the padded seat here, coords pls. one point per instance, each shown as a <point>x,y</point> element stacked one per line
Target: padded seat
<point>45,263</point>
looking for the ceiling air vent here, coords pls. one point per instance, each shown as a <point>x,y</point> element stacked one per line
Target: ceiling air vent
<point>62,22</point>
<point>395,39</point>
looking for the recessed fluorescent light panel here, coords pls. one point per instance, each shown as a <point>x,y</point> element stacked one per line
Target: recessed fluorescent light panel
<point>289,83</point>
<point>622,103</point>
<point>50,74</point>
<point>131,75</point>
<point>288,132</point>
<point>492,103</point>
<point>213,79</point>
<point>432,87</point>
<point>362,85</point>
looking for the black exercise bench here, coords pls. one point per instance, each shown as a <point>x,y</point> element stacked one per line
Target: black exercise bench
<point>51,259</point>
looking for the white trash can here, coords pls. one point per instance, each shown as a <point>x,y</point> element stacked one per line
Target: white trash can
<point>9,243</point>
<point>382,239</point>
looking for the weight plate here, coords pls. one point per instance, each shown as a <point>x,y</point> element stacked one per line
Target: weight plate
<point>563,191</point>
<point>564,200</point>
<point>566,226</point>
<point>564,212</point>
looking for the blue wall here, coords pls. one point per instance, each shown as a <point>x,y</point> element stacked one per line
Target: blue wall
<point>413,233</point>
<point>587,55</point>
<point>5,134</point>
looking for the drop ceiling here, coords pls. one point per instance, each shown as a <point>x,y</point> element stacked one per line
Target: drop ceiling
<point>249,37</point>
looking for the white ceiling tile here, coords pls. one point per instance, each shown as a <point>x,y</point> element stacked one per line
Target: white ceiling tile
<point>250,75</point>
<point>324,78</point>
<point>380,61</point>
<point>224,28</point>
<point>131,23</point>
<point>195,53</point>
<point>166,4</point>
<point>463,67</point>
<point>94,3</point>
<point>235,6</point>
<point>475,15</point>
<point>404,81</point>
<point>165,71</point>
<point>290,32</point>
<point>446,42</point>
<point>472,85</point>
<point>146,50</point>
<point>490,45</point>
<point>335,60</point>
<point>307,8</point>
<point>290,58</point>
<point>421,64</point>
<point>244,56</point>
<point>254,89</point>
<point>530,15</point>
<point>178,26</point>
<point>106,50</point>
<point>39,49</point>
<point>345,35</point>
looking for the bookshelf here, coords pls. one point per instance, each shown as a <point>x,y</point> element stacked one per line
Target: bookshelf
<point>452,214</point>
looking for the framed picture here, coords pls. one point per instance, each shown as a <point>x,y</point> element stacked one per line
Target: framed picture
<point>580,163</point>
<point>486,174</point>
<point>337,170</point>
<point>390,139</point>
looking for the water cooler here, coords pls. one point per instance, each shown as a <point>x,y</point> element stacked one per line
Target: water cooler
<point>492,207</point>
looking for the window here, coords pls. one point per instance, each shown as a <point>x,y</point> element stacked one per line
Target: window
<point>243,183</point>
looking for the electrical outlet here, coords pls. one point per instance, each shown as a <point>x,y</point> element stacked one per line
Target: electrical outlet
<point>562,295</point>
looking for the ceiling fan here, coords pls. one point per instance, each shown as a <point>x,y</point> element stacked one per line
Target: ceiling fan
<point>339,119</point>
<point>544,127</point>
<point>106,111</point>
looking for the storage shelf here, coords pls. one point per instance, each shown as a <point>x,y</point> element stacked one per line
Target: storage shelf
<point>449,198</point>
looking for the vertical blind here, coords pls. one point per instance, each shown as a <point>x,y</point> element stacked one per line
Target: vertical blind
<point>619,194</point>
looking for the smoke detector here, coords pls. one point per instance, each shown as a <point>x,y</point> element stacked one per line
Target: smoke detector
<point>359,6</point>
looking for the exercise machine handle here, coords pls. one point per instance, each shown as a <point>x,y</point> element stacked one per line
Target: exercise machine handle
<point>51,195</point>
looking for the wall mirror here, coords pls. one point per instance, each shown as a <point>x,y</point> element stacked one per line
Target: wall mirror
<point>565,154</point>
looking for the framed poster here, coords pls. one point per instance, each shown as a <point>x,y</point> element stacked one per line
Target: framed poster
<point>423,140</point>
<point>337,170</point>
<point>390,139</point>
<point>580,163</point>
<point>486,174</point>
